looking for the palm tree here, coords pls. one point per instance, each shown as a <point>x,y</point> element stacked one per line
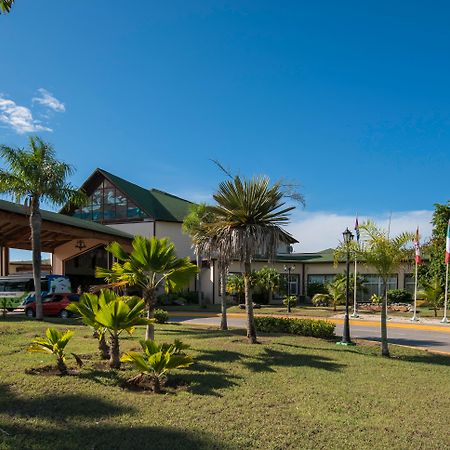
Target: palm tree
<point>269,280</point>
<point>335,294</point>
<point>433,293</point>
<point>197,224</point>
<point>192,225</point>
<point>385,255</point>
<point>152,263</point>
<point>5,6</point>
<point>235,286</point>
<point>249,214</point>
<point>35,175</point>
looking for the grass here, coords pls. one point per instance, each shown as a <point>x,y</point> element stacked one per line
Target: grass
<point>286,393</point>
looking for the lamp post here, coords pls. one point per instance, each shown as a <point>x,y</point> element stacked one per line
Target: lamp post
<point>348,236</point>
<point>288,269</point>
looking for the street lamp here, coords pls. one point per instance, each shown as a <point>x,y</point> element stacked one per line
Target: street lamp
<point>348,236</point>
<point>288,270</point>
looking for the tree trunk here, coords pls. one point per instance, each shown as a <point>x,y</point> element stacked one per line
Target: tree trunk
<point>223,293</point>
<point>149,297</point>
<point>199,280</point>
<point>384,338</point>
<point>114,359</point>
<point>270,296</point>
<point>61,366</point>
<point>35,225</point>
<point>156,385</point>
<point>103,347</point>
<point>435,312</point>
<point>251,330</point>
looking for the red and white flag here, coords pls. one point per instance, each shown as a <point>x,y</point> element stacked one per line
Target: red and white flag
<point>416,244</point>
<point>447,245</point>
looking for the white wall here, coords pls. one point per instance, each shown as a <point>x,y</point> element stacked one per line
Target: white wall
<point>136,228</point>
<point>172,230</point>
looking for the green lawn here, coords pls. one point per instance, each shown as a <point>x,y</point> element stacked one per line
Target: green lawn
<point>286,393</point>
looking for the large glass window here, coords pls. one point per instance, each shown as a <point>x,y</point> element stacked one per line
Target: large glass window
<point>321,279</point>
<point>108,204</point>
<point>374,285</point>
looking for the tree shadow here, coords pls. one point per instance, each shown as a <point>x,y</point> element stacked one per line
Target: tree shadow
<point>106,437</point>
<point>199,333</point>
<point>270,359</point>
<point>60,408</point>
<point>428,358</point>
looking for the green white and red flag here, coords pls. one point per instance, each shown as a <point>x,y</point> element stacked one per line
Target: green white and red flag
<point>416,243</point>
<point>447,244</point>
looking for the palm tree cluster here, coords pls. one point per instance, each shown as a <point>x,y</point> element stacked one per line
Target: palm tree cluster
<point>246,221</point>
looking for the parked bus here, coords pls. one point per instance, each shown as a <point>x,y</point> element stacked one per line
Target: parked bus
<point>15,290</point>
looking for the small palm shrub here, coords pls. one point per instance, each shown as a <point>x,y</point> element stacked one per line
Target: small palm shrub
<point>161,316</point>
<point>54,344</point>
<point>399,296</point>
<point>303,327</point>
<point>157,361</point>
<point>376,299</point>
<point>290,300</point>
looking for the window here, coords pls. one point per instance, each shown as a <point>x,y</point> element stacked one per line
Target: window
<point>374,285</point>
<point>321,279</point>
<point>294,285</point>
<point>108,204</point>
<point>410,282</point>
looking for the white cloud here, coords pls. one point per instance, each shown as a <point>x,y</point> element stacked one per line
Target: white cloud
<point>19,118</point>
<point>47,99</point>
<point>320,230</point>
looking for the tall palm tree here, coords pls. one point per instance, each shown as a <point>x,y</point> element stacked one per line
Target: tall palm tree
<point>249,215</point>
<point>385,255</point>
<point>35,175</point>
<point>152,263</point>
<point>192,225</point>
<point>197,224</point>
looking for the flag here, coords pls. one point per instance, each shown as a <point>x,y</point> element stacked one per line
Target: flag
<point>417,246</point>
<point>447,244</point>
<point>357,229</point>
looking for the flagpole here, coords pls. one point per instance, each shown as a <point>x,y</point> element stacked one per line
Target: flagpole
<point>355,305</point>
<point>445,319</point>
<point>414,317</point>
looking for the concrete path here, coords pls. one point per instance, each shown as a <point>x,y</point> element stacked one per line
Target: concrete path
<point>435,337</point>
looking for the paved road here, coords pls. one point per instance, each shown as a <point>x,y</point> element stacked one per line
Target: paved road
<point>403,334</point>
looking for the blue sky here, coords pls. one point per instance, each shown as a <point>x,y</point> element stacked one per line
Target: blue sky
<point>351,100</point>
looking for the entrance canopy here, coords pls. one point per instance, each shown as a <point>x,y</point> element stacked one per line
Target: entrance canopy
<point>57,229</point>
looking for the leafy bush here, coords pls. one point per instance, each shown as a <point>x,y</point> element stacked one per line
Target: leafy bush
<point>290,300</point>
<point>161,316</point>
<point>303,327</point>
<point>399,296</point>
<point>260,297</point>
<point>315,288</point>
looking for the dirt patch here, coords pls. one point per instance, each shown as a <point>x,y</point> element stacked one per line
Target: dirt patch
<point>49,371</point>
<point>145,384</point>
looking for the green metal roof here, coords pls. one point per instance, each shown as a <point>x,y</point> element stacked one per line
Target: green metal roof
<point>157,204</point>
<point>63,219</point>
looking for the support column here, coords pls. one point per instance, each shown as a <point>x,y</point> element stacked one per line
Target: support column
<point>4,261</point>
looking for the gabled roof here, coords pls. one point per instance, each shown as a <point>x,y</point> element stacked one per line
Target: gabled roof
<point>157,204</point>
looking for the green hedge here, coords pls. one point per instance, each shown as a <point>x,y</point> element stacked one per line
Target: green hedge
<point>303,327</point>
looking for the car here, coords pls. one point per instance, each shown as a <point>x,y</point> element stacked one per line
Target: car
<point>53,305</point>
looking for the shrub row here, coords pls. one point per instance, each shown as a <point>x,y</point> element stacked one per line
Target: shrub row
<point>303,327</point>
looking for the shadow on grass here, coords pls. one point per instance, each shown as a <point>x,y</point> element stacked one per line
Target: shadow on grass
<point>201,333</point>
<point>271,359</point>
<point>21,318</point>
<point>59,407</point>
<point>429,358</point>
<point>106,437</point>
